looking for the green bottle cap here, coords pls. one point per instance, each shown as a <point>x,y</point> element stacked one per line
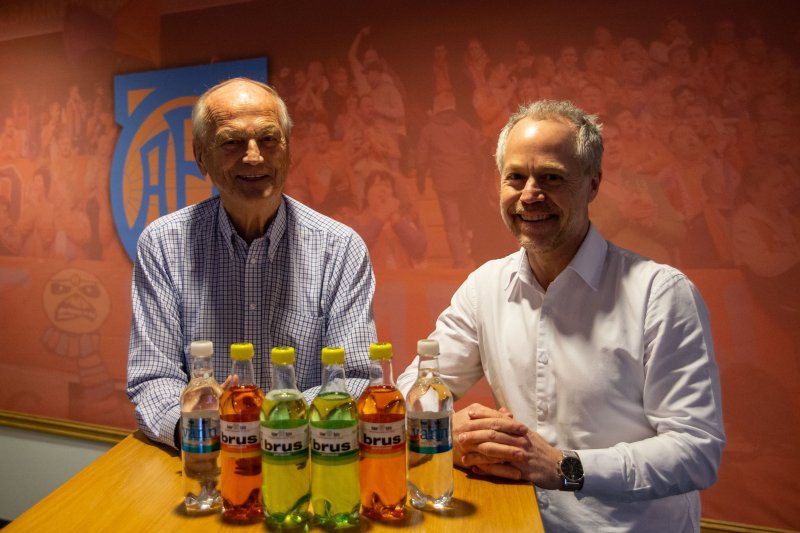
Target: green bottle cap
<point>333,356</point>
<point>380,351</point>
<point>242,351</point>
<point>283,355</point>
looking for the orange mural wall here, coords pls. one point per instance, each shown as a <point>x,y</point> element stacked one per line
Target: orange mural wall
<point>700,106</point>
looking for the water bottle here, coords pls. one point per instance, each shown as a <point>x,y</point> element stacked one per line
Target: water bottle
<point>200,433</point>
<point>429,406</point>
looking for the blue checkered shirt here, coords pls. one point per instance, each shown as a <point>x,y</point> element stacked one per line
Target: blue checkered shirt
<point>307,283</point>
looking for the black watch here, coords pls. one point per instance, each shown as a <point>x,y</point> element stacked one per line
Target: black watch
<point>570,470</point>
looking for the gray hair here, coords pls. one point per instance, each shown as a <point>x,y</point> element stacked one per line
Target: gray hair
<point>588,137</point>
<point>200,118</point>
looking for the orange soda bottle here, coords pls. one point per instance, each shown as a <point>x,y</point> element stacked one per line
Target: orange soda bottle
<point>240,411</point>
<point>382,440</point>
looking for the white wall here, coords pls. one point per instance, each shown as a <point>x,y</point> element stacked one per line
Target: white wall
<point>33,464</point>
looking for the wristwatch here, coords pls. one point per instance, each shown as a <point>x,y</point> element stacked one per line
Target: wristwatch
<point>570,470</point>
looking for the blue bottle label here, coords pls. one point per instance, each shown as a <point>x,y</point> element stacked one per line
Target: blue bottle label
<point>429,433</point>
<point>199,433</point>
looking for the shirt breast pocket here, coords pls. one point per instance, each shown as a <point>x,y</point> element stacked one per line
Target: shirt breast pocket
<point>303,332</point>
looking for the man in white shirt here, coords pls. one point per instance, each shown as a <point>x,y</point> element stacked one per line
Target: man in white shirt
<point>600,361</point>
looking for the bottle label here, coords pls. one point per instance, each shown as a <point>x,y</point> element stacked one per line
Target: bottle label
<point>334,445</point>
<point>240,436</point>
<point>429,433</point>
<point>285,444</point>
<point>200,432</point>
<point>382,437</point>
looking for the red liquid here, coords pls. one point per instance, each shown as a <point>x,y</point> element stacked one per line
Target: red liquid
<point>240,454</point>
<point>383,462</point>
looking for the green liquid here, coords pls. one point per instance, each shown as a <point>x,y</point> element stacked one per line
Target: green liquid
<point>335,492</point>
<point>286,481</point>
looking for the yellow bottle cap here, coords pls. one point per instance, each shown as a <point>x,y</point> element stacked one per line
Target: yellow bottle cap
<point>282,355</point>
<point>379,351</point>
<point>333,356</point>
<point>242,351</point>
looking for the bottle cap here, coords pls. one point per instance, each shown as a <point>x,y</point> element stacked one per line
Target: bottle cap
<point>241,351</point>
<point>333,356</point>
<point>201,349</point>
<point>283,355</point>
<point>428,347</point>
<point>382,350</point>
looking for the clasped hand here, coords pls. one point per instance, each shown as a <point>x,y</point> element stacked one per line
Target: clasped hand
<point>491,442</point>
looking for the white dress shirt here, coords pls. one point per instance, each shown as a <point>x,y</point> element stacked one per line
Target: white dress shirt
<point>615,360</point>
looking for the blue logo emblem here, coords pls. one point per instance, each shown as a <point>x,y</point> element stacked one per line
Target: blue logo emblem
<point>153,172</point>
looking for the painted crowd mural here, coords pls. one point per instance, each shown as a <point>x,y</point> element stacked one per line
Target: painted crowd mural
<point>397,109</point>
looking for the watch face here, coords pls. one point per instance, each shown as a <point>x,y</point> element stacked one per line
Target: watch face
<point>571,468</point>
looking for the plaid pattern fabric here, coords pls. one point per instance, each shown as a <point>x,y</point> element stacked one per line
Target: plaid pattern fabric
<point>307,283</point>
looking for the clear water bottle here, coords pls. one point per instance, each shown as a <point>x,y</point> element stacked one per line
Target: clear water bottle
<point>335,496</point>
<point>284,446</point>
<point>200,433</point>
<point>429,418</point>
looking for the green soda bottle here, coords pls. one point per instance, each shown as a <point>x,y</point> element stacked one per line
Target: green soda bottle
<point>284,446</point>
<point>335,494</point>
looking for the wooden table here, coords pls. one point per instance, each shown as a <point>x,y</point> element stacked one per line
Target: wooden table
<point>136,486</point>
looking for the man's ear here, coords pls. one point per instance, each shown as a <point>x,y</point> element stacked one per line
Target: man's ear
<point>198,158</point>
<point>596,179</point>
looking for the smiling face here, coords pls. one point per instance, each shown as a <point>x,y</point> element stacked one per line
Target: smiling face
<point>545,191</point>
<point>245,152</point>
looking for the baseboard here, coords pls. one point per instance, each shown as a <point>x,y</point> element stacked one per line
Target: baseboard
<point>68,428</point>
<point>708,525</point>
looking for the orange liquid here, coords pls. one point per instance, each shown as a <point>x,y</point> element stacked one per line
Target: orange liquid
<point>383,463</point>
<point>240,454</point>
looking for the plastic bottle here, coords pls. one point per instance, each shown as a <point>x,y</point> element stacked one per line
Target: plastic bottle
<point>429,406</point>
<point>284,446</point>
<point>200,433</point>
<point>334,447</point>
<point>382,440</point>
<point>240,411</point>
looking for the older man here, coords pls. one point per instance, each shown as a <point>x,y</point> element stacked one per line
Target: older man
<point>249,265</point>
<point>601,361</point>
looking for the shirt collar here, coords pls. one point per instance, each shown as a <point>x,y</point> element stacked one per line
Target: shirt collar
<point>275,230</point>
<point>587,263</point>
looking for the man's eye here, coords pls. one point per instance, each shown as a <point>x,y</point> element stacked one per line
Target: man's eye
<point>550,178</point>
<point>515,177</point>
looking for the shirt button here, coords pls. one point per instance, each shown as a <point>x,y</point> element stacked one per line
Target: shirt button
<point>252,307</point>
<point>544,501</point>
<point>543,359</point>
<point>253,261</point>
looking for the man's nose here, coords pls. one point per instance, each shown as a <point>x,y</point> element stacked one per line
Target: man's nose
<point>253,153</point>
<point>531,192</point>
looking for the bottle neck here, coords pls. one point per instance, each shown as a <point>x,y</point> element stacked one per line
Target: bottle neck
<point>201,368</point>
<point>428,366</point>
<point>380,372</point>
<point>333,379</point>
<point>244,369</point>
<point>283,377</point>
